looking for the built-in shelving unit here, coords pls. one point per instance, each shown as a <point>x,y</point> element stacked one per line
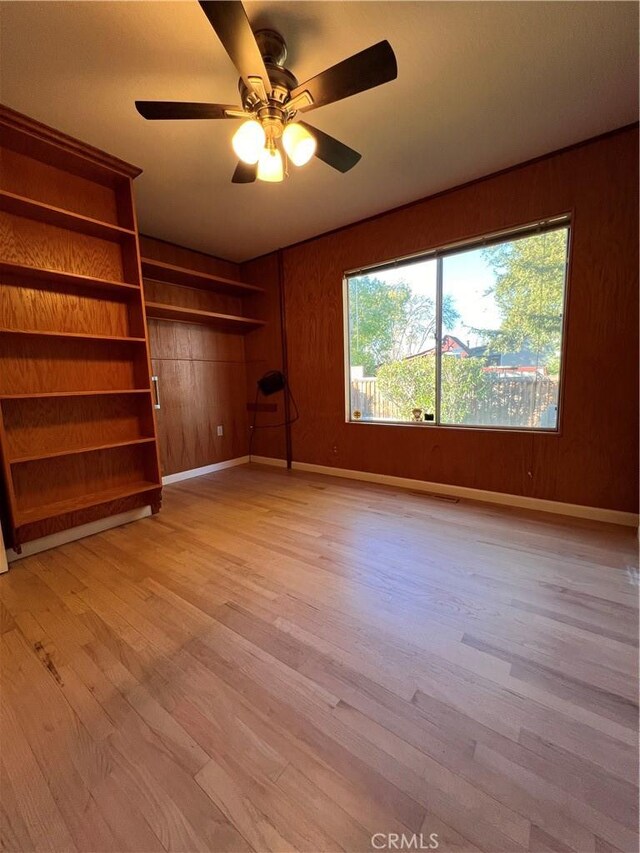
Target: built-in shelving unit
<point>200,315</point>
<point>183,295</point>
<point>77,424</point>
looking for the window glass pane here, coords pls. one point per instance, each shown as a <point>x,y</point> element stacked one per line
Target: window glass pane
<point>501,356</point>
<point>392,319</point>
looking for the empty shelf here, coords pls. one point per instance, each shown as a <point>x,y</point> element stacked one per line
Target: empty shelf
<point>38,513</point>
<point>224,322</point>
<point>170,274</point>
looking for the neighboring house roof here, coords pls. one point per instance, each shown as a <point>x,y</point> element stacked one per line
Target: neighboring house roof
<point>476,352</point>
<point>525,360</point>
<point>449,344</point>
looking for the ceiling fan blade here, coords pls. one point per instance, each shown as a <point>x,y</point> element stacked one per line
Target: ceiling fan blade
<point>229,20</point>
<point>182,110</point>
<point>371,67</point>
<point>244,173</point>
<point>332,151</point>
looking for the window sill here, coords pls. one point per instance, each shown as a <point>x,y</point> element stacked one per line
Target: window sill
<point>467,428</point>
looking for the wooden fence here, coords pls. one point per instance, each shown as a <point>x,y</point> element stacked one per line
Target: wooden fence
<point>366,398</point>
<point>524,401</point>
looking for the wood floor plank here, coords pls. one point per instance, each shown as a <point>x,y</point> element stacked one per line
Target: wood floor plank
<point>70,760</point>
<point>286,661</point>
<point>7,622</point>
<point>14,834</point>
<point>237,806</point>
<point>306,796</point>
<point>29,806</point>
<point>598,822</point>
<point>125,820</point>
<point>175,807</point>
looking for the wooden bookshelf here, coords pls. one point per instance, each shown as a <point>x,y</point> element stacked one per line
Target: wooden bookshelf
<point>223,322</point>
<point>77,424</point>
<point>171,274</point>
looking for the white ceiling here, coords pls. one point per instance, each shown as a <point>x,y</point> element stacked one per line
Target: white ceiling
<point>481,86</point>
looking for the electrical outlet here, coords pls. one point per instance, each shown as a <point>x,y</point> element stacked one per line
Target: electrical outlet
<point>220,430</point>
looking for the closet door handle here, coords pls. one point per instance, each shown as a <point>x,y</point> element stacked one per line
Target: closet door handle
<point>156,392</point>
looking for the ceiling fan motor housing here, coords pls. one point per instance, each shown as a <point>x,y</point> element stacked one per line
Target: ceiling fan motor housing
<point>272,46</point>
<point>273,49</point>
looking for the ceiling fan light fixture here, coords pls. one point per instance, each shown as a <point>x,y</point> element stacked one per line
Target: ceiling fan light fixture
<point>248,141</point>
<point>270,165</point>
<point>271,97</point>
<point>299,144</point>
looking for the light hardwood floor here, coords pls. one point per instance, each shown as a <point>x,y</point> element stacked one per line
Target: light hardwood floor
<point>288,662</point>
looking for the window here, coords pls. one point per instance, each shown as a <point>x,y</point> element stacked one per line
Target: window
<point>470,335</point>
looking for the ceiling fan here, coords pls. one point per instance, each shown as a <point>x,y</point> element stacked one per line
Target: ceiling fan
<point>272,98</point>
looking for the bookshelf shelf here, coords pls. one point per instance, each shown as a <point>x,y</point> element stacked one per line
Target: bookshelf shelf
<point>18,205</point>
<point>49,394</point>
<point>26,274</point>
<point>75,335</point>
<point>171,274</point>
<point>72,505</point>
<point>223,322</point>
<point>73,451</point>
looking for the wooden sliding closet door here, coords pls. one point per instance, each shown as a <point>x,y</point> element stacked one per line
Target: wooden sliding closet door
<point>202,386</point>
<point>77,427</point>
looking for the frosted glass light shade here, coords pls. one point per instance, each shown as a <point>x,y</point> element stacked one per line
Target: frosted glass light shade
<point>298,143</point>
<point>270,166</point>
<point>248,141</point>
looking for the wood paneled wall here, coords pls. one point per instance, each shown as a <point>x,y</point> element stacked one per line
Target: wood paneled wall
<point>594,461</point>
<point>201,370</point>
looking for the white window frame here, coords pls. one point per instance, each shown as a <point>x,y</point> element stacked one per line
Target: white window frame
<point>550,224</point>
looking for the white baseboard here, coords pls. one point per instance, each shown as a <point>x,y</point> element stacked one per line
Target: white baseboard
<point>612,516</point>
<point>206,469</point>
<point>269,460</point>
<point>73,533</point>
